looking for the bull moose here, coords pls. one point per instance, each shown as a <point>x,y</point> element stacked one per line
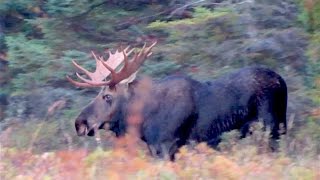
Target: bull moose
<point>177,109</point>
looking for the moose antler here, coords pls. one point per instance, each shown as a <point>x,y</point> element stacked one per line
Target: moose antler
<point>108,67</point>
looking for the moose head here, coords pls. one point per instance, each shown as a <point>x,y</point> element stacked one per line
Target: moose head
<point>114,75</point>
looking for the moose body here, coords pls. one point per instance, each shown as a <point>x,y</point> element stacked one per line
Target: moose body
<point>177,109</point>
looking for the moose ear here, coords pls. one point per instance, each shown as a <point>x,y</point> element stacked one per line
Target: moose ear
<point>130,79</point>
<point>140,85</point>
<point>133,83</point>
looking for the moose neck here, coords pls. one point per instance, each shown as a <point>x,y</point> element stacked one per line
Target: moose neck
<point>130,107</point>
<point>118,123</point>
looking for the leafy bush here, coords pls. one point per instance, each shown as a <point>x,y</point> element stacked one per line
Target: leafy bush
<point>310,14</point>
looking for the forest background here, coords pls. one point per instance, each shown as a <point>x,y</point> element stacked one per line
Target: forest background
<point>203,39</point>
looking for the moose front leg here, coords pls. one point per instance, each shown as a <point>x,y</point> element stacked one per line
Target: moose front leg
<point>165,150</point>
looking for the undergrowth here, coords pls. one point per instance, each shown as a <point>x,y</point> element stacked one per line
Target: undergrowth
<point>128,158</point>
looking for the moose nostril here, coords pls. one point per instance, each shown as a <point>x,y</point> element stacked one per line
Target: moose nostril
<point>91,132</point>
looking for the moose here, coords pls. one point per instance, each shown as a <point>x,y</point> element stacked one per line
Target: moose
<point>178,109</point>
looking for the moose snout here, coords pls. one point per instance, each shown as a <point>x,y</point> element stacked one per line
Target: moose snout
<point>84,128</point>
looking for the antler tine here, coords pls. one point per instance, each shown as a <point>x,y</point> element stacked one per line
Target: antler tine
<point>79,84</point>
<point>130,67</point>
<point>151,46</point>
<point>143,54</point>
<point>83,79</point>
<point>130,51</point>
<point>81,68</point>
<point>126,49</point>
<point>112,71</point>
<point>144,46</point>
<point>94,56</point>
<point>125,58</point>
<point>97,76</point>
<point>89,74</point>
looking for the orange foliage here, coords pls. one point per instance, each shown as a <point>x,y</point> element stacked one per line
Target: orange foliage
<point>71,164</point>
<point>223,167</point>
<point>315,113</point>
<point>199,162</point>
<point>309,4</point>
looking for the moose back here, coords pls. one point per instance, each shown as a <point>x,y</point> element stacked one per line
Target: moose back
<point>177,109</point>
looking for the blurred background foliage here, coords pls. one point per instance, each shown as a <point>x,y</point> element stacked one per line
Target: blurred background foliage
<point>202,39</point>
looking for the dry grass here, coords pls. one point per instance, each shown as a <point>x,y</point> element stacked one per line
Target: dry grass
<point>240,160</point>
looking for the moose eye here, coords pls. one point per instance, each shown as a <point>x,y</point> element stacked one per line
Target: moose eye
<point>107,98</point>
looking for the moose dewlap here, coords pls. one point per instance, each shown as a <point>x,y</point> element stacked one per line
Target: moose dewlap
<point>177,109</point>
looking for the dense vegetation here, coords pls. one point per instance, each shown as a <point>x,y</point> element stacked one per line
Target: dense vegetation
<point>203,39</point>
